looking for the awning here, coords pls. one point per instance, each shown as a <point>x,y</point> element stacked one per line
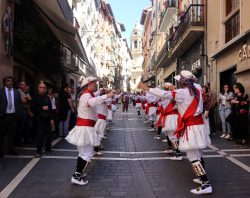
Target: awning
<point>63,30</point>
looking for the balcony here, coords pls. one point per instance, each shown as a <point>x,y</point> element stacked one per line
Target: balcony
<point>167,14</point>
<point>190,28</point>
<point>186,33</point>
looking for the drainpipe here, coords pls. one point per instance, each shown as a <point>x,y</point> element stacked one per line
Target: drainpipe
<point>156,37</point>
<point>205,44</point>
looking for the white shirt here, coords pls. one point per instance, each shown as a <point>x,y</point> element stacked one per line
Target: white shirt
<point>183,99</point>
<point>102,109</point>
<point>12,110</point>
<point>109,101</point>
<point>164,101</point>
<point>53,103</point>
<point>151,97</point>
<point>87,106</point>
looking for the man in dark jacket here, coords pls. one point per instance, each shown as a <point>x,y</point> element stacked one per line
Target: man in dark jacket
<point>10,100</point>
<point>42,110</point>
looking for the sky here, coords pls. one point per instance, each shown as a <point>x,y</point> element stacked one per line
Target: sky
<point>128,12</point>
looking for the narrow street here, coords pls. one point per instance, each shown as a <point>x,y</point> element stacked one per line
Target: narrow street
<point>133,165</point>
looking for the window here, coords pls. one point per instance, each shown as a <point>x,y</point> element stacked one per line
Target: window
<point>232,27</point>
<point>135,44</point>
<point>231,5</point>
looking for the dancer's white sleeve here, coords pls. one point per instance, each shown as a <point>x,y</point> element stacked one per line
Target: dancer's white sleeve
<point>94,101</point>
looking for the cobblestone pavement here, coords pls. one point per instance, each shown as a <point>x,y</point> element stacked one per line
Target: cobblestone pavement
<point>133,165</point>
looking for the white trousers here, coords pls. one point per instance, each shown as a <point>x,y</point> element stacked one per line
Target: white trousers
<point>194,154</point>
<point>86,152</point>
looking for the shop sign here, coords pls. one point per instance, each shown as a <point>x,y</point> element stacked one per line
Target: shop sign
<point>196,65</point>
<point>244,53</point>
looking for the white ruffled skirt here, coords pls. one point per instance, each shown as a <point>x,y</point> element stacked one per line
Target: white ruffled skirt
<point>114,107</point>
<point>83,135</point>
<point>171,123</point>
<point>194,137</point>
<point>110,115</point>
<point>100,128</point>
<point>152,111</point>
<point>138,105</point>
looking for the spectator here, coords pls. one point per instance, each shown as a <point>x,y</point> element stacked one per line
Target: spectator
<point>73,115</point>
<point>125,102</point>
<point>25,116</point>
<point>10,100</point>
<point>65,103</point>
<point>240,115</point>
<point>207,104</point>
<point>213,96</point>
<point>53,105</point>
<point>42,110</point>
<point>225,98</point>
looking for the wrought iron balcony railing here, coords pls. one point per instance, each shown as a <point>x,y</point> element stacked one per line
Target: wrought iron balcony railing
<point>194,16</point>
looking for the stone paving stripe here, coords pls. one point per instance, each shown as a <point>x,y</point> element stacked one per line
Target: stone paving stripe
<point>240,155</point>
<point>18,156</point>
<point>13,184</point>
<point>56,141</point>
<point>213,147</point>
<point>221,152</point>
<point>240,164</point>
<point>128,129</point>
<point>234,150</point>
<point>235,161</point>
<point>113,158</point>
<point>21,175</point>
<point>124,158</point>
<point>111,152</point>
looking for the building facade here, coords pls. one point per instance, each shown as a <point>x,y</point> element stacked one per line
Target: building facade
<point>136,52</point>
<point>101,35</point>
<point>39,42</point>
<point>228,42</point>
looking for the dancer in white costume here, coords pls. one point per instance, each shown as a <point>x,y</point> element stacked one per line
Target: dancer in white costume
<point>83,135</point>
<point>191,128</point>
<point>101,124</point>
<point>138,103</point>
<point>109,107</point>
<point>151,108</point>
<point>167,121</point>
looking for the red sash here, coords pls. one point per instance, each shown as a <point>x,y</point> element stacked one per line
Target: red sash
<point>138,100</point>
<point>109,107</point>
<point>143,104</point>
<point>188,119</point>
<point>148,106</point>
<point>164,113</point>
<point>88,91</point>
<point>85,122</point>
<point>100,116</point>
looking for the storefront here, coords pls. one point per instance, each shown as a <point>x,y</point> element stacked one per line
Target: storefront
<point>169,73</point>
<point>232,63</point>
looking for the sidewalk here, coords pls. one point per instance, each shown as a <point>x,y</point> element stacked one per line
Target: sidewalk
<point>133,165</point>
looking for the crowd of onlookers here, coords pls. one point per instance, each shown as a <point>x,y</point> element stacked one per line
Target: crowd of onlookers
<point>32,119</point>
<point>233,108</point>
<point>27,118</point>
